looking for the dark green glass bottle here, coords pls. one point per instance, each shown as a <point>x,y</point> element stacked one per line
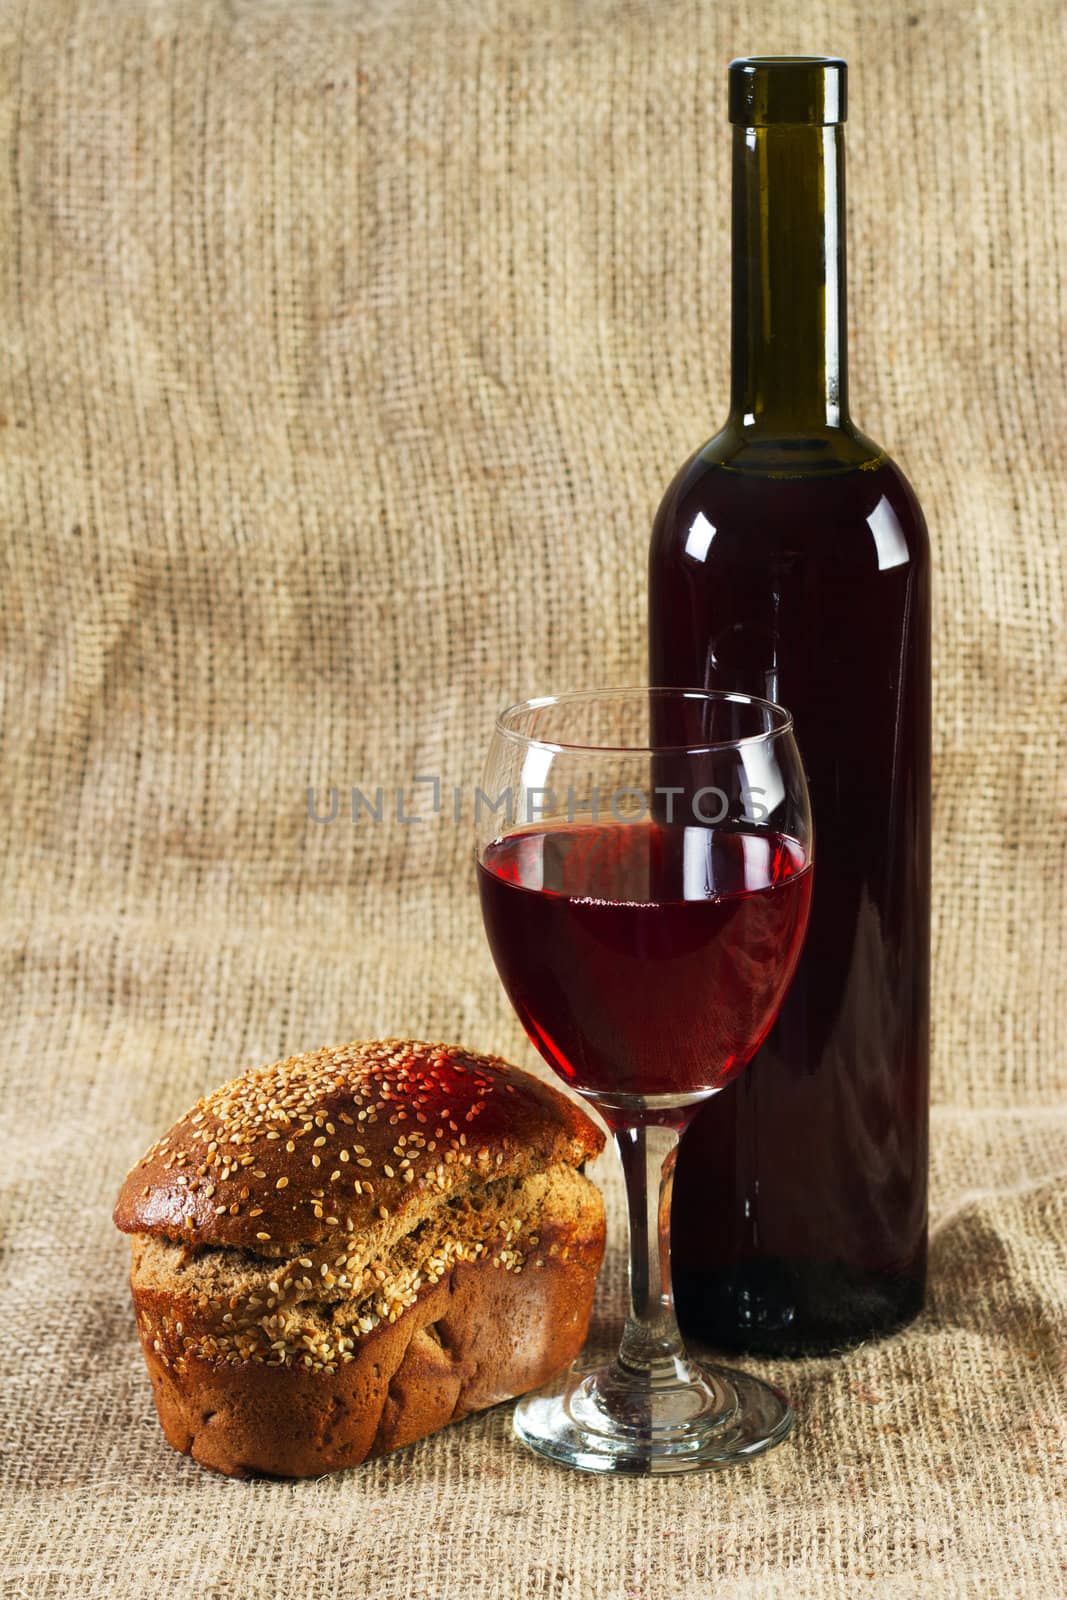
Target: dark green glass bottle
<point>790,559</point>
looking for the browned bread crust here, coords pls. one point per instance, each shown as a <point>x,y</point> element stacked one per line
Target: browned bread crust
<point>345,1138</point>
<point>295,1317</point>
<point>478,1336</point>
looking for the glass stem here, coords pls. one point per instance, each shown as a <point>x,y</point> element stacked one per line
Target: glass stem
<point>651,1339</point>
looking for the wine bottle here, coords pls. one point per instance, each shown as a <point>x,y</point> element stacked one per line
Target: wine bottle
<point>790,559</point>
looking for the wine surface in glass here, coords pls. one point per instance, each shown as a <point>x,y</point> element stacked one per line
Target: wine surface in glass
<point>645,959</point>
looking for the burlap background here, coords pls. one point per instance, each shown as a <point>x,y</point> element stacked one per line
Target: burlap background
<point>347,349</point>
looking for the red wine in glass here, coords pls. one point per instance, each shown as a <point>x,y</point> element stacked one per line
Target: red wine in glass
<point>645,960</point>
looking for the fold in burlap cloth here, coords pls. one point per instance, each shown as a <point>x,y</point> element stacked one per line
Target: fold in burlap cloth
<point>347,349</point>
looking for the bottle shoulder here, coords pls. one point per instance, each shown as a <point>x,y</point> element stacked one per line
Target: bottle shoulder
<point>752,452</point>
<point>843,512</point>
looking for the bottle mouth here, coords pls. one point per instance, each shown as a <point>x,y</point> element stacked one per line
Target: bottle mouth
<point>805,91</point>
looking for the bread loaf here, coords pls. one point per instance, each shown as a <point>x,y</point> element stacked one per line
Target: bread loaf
<point>342,1252</point>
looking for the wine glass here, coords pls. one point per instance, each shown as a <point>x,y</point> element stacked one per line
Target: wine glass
<point>645,871</point>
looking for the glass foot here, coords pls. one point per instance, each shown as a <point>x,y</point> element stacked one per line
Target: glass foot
<point>679,1417</point>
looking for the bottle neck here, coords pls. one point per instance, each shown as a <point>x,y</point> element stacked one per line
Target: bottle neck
<point>788,346</point>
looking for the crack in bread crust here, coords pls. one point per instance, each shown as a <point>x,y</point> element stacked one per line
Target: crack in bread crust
<point>221,1304</point>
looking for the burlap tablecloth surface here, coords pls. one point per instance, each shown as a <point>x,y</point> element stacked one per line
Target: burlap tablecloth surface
<point>346,351</point>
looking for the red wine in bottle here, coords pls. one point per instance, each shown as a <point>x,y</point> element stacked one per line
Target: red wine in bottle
<point>790,559</point>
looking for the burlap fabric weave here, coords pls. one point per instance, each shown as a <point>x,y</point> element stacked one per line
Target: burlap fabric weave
<point>346,351</point>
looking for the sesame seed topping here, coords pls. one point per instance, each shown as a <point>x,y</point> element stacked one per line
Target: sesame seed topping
<point>413,1100</point>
